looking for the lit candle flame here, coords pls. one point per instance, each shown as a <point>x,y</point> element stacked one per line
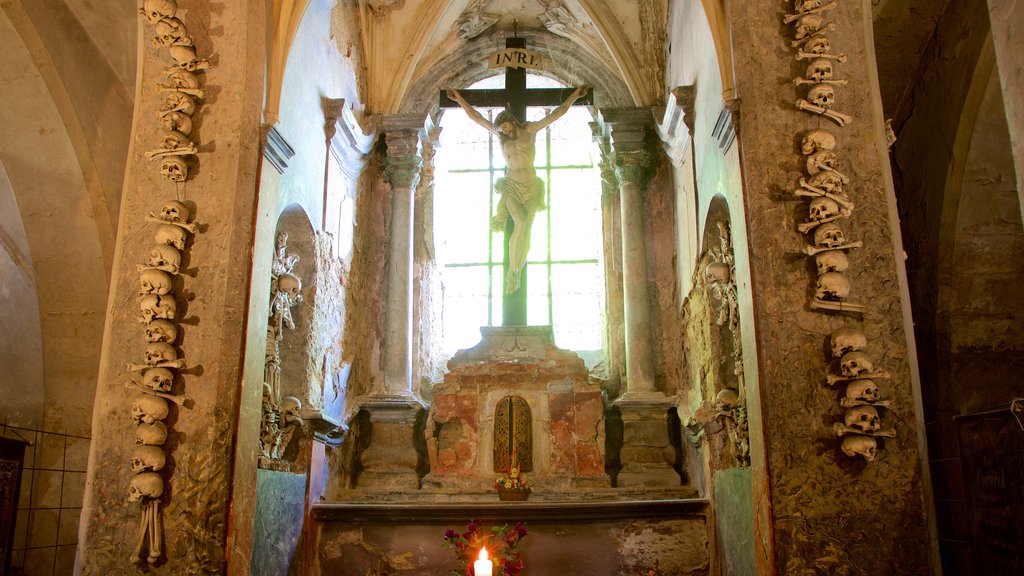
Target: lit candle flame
<point>483,554</point>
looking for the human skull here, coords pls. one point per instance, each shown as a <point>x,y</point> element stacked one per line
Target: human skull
<point>827,181</point>
<point>147,409</point>
<point>717,273</point>
<point>183,79</point>
<point>726,399</point>
<point>174,211</point>
<point>855,363</point>
<point>822,95</point>
<point>160,352</point>
<point>863,418</point>
<point>290,409</point>
<point>184,55</point>
<point>170,30</point>
<point>174,168</point>
<point>832,286</point>
<point>171,236</point>
<point>847,339</point>
<point>822,208</point>
<point>176,121</point>
<point>161,331</point>
<point>817,140</point>
<point>165,257</point>
<point>819,69</point>
<point>808,25</point>
<point>803,6</point>
<point>290,284</point>
<point>178,102</point>
<point>159,379</point>
<point>818,44</point>
<point>820,159</point>
<point>831,261</point>
<point>154,307</point>
<point>146,485</point>
<point>865,446</point>
<point>154,282</point>
<point>148,459</point>
<point>829,235</point>
<point>863,390</point>
<point>155,10</point>
<point>174,140</point>
<point>154,434</point>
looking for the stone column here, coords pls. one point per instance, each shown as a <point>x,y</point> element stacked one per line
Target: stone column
<point>390,460</point>
<point>647,454</point>
<point>803,483</point>
<point>220,193</point>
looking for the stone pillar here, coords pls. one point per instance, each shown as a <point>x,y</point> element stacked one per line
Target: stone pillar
<point>1006,17</point>
<point>389,462</point>
<point>647,454</point>
<point>803,482</point>
<point>193,511</point>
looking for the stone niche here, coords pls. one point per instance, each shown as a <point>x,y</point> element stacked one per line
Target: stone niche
<point>555,426</point>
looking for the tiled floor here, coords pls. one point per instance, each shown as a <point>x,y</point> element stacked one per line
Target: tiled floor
<point>50,503</point>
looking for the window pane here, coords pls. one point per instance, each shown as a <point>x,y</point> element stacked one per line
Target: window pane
<point>539,238</point>
<point>571,145</point>
<point>578,305</point>
<point>537,295</point>
<point>465,135</point>
<point>575,215</point>
<point>465,306</point>
<point>461,217</point>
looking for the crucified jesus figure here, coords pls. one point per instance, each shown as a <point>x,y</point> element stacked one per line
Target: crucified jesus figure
<point>521,190</point>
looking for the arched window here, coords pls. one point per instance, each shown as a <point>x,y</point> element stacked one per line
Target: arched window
<point>565,262</point>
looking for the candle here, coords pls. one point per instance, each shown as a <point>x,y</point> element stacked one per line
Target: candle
<point>483,566</point>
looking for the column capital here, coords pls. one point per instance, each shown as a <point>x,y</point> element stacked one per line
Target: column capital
<point>404,135</point>
<point>627,135</point>
<point>349,143</point>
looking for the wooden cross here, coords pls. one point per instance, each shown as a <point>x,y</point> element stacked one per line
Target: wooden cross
<point>516,97</point>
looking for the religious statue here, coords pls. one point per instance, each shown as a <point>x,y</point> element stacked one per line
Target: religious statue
<point>521,190</point>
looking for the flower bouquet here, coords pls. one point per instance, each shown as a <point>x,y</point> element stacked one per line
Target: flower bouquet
<point>512,487</point>
<point>507,560</point>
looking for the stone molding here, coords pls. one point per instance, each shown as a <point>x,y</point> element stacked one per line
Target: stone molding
<point>678,113</point>
<point>348,142</point>
<point>276,149</point>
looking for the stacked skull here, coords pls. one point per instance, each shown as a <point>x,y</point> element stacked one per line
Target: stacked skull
<point>182,91</point>
<point>158,369</point>
<point>862,423</point>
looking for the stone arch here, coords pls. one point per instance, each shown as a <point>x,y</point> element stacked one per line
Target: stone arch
<point>296,370</point>
<point>451,71</point>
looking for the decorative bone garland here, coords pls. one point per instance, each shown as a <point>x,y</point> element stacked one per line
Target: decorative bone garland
<point>161,360</point>
<point>180,93</point>
<point>828,205</point>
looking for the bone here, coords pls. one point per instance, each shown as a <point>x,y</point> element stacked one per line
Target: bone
<point>180,400</point>
<point>837,117</point>
<point>843,177</point>
<point>800,81</point>
<point>838,379</point>
<point>810,191</point>
<point>843,430</point>
<point>165,268</point>
<point>811,225</point>
<point>189,150</point>
<point>847,403</point>
<point>791,17</point>
<point>801,41</point>
<point>818,304</point>
<point>190,226</point>
<point>155,537</point>
<point>812,250</point>
<point>197,92</point>
<point>801,55</point>
<point>136,557</point>
<point>177,364</point>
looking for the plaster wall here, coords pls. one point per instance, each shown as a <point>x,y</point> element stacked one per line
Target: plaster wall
<point>21,351</point>
<point>63,237</point>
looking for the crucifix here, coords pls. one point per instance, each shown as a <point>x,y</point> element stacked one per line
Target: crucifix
<point>522,193</point>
